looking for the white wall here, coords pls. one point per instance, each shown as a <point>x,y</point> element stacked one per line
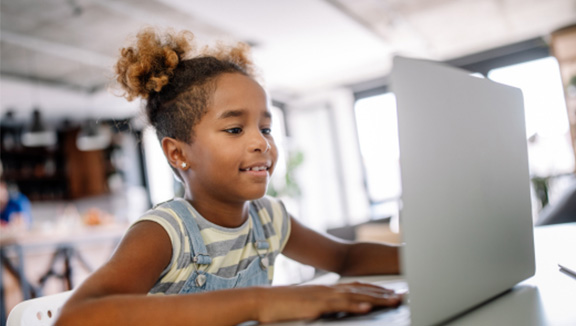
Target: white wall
<point>322,126</point>
<point>57,102</point>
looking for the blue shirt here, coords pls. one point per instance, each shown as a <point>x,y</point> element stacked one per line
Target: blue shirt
<point>16,204</point>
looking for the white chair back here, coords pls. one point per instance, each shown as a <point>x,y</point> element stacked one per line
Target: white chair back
<point>41,311</point>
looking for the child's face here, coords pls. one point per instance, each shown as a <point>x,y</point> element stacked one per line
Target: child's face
<point>233,154</point>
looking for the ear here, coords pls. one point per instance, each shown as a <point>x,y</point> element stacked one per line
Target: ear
<point>174,152</point>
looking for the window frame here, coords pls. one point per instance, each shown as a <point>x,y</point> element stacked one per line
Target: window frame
<point>481,62</point>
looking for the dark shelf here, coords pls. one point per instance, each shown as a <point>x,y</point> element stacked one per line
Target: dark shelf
<point>60,172</point>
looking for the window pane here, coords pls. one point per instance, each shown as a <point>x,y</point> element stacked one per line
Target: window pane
<point>378,135</point>
<point>547,125</point>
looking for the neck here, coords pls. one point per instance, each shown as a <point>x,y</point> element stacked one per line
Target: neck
<point>226,214</point>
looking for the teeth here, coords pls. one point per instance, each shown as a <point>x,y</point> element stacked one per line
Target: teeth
<point>257,168</point>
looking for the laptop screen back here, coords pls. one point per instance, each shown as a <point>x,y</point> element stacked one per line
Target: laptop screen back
<point>466,213</point>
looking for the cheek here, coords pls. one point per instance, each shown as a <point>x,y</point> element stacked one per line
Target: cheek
<point>224,158</point>
<point>274,153</point>
<point>203,157</point>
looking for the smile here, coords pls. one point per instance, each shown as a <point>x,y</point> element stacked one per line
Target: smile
<point>256,168</point>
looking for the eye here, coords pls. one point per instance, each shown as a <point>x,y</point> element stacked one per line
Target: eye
<point>233,130</point>
<point>266,131</point>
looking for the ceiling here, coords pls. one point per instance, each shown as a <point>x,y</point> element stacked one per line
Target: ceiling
<point>65,49</point>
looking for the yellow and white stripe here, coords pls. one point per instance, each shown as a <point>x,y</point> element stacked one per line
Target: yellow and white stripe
<point>231,249</point>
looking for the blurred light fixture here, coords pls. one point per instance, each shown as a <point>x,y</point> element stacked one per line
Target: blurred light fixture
<point>11,131</point>
<point>93,136</point>
<point>37,134</point>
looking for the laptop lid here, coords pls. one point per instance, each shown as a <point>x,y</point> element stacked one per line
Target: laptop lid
<point>466,214</point>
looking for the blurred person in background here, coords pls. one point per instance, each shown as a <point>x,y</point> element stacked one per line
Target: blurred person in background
<point>15,210</point>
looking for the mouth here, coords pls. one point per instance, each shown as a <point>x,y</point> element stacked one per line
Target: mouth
<point>256,168</point>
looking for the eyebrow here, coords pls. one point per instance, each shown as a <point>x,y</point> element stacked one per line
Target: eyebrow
<point>239,113</point>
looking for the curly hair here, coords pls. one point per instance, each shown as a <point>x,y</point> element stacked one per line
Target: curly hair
<point>176,78</point>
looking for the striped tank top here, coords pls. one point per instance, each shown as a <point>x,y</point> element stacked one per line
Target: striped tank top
<point>231,249</point>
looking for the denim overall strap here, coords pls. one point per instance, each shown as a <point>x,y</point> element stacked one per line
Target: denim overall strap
<point>258,235</point>
<point>198,249</point>
<point>255,274</point>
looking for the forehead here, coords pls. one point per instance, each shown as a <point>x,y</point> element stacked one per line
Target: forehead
<point>235,91</point>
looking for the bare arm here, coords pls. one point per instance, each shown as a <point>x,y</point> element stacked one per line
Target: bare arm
<point>343,257</point>
<point>116,293</point>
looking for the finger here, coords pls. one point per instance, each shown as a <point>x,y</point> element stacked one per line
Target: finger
<point>359,303</point>
<point>380,299</point>
<point>365,286</point>
<point>366,289</point>
<point>348,306</point>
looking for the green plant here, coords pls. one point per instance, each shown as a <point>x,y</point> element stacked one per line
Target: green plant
<point>289,186</point>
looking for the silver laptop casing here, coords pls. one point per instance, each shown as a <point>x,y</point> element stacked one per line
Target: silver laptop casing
<point>466,213</point>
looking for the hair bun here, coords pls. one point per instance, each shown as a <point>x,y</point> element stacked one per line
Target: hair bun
<point>148,65</point>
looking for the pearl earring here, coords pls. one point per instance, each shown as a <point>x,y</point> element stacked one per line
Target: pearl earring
<point>183,165</point>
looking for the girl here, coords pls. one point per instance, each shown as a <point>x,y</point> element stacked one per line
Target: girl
<point>216,246</point>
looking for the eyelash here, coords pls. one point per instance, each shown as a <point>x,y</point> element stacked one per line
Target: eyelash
<point>237,130</point>
<point>233,130</point>
<point>266,131</point>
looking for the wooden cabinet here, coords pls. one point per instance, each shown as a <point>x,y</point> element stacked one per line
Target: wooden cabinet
<point>60,172</point>
<point>86,171</point>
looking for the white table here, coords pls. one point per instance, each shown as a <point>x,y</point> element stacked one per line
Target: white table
<point>548,298</point>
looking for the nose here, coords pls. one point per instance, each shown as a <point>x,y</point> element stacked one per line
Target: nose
<point>259,143</point>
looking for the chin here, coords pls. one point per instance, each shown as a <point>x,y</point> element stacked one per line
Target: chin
<point>256,194</point>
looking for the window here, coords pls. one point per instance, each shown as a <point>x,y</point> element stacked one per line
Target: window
<point>377,126</point>
<point>547,124</point>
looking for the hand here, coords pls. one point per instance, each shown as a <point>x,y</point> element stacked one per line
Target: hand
<point>310,302</point>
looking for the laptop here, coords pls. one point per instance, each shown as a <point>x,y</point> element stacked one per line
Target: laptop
<point>466,216</point>
<point>466,213</point>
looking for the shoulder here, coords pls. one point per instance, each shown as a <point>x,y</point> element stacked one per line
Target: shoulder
<point>18,202</point>
<point>164,215</point>
<point>158,216</point>
<point>22,199</point>
<point>270,206</point>
<point>167,217</point>
<point>163,212</point>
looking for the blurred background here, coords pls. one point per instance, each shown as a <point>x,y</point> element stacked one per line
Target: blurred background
<point>83,156</point>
